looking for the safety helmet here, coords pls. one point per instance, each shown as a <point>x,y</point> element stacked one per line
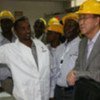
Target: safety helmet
<point>73,16</point>
<point>53,20</point>
<point>42,19</point>
<point>90,7</point>
<point>40,23</point>
<point>6,14</point>
<point>56,27</point>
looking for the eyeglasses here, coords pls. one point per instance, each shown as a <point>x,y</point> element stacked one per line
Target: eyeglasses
<point>84,18</point>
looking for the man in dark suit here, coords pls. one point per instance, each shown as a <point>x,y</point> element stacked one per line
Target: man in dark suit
<point>88,62</point>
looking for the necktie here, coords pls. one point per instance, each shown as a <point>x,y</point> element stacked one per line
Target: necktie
<point>90,46</point>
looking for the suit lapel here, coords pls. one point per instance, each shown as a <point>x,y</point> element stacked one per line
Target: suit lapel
<point>84,54</point>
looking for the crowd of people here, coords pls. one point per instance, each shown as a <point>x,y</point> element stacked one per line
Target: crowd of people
<point>48,64</point>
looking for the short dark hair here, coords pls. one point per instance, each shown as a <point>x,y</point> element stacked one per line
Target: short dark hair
<point>23,18</point>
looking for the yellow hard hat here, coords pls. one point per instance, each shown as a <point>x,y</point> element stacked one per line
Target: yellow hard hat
<point>7,14</point>
<point>90,7</point>
<point>53,20</point>
<point>73,16</point>
<point>56,27</point>
<point>43,21</point>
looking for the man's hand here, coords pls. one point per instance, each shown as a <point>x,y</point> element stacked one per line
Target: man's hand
<point>71,78</point>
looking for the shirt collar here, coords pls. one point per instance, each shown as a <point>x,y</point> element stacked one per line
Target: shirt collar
<point>94,38</point>
<point>74,40</point>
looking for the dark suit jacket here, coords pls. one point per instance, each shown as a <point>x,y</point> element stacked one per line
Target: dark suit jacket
<point>87,89</point>
<point>91,67</point>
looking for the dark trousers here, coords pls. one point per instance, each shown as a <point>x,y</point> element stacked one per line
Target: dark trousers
<point>62,93</point>
<point>7,85</point>
<point>87,89</point>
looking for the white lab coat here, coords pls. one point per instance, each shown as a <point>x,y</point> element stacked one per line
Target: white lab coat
<point>31,82</point>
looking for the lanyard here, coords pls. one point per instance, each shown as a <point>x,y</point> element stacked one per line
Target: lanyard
<point>63,55</point>
<point>66,49</point>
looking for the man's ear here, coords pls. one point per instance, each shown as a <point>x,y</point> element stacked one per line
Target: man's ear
<point>97,21</point>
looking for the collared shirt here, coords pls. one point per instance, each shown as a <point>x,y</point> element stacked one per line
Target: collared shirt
<point>3,40</point>
<point>91,43</point>
<point>4,70</point>
<point>43,38</point>
<point>65,60</point>
<point>52,69</point>
<point>65,57</point>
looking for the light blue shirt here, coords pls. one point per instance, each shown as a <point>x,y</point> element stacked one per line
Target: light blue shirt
<point>91,43</point>
<point>52,69</point>
<point>66,55</point>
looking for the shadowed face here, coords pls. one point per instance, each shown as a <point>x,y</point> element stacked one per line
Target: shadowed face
<point>52,36</point>
<point>39,28</point>
<point>6,25</point>
<point>71,29</point>
<point>23,30</point>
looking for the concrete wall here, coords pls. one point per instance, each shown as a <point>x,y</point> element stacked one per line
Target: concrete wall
<point>76,2</point>
<point>32,9</point>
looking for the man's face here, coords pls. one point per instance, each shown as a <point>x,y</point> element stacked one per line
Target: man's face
<point>70,28</point>
<point>23,30</point>
<point>6,24</point>
<point>39,29</point>
<point>52,36</point>
<point>38,32</point>
<point>88,23</point>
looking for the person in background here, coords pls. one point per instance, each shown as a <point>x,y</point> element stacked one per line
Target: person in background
<point>39,29</point>
<point>53,20</point>
<point>66,55</point>
<point>88,62</point>
<point>6,36</point>
<point>6,21</point>
<point>54,33</point>
<point>31,70</point>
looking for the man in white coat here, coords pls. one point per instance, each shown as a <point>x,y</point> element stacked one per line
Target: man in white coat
<point>28,60</point>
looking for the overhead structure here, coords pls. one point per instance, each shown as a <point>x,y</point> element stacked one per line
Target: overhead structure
<point>45,0</point>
